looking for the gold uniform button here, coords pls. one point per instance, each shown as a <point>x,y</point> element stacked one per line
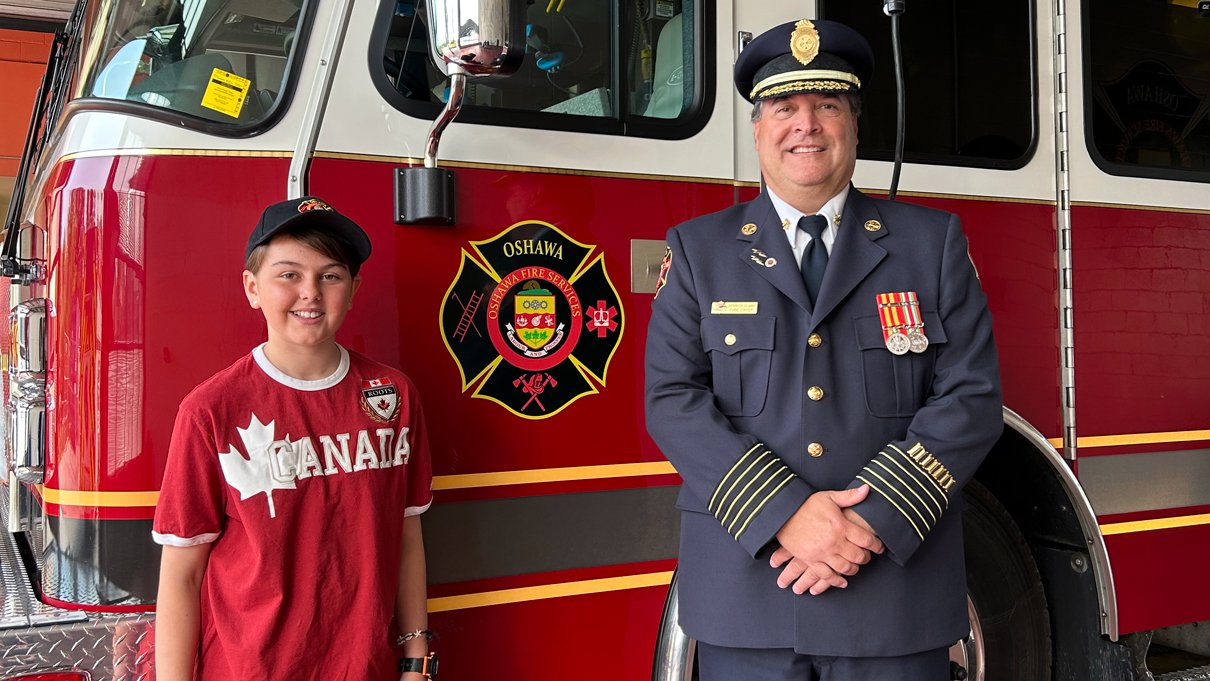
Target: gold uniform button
<point>815,450</point>
<point>815,340</point>
<point>815,393</point>
<point>729,339</point>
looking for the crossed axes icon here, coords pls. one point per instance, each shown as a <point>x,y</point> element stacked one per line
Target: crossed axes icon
<point>533,385</point>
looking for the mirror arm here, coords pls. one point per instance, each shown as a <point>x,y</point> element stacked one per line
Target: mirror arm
<point>452,106</point>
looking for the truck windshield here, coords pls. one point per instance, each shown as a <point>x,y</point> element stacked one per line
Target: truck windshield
<point>223,61</point>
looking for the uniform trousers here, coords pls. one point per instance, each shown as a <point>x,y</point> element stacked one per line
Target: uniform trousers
<point>719,663</point>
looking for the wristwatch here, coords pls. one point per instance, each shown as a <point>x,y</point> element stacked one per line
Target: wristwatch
<point>426,666</point>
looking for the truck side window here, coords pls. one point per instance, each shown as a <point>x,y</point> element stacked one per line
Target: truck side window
<point>222,64</point>
<point>624,67</point>
<point>1148,88</point>
<point>969,68</point>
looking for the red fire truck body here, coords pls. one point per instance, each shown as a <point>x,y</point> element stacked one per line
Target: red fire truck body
<point>552,538</point>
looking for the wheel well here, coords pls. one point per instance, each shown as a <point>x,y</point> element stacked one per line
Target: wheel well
<point>1027,484</point>
<point>1039,490</point>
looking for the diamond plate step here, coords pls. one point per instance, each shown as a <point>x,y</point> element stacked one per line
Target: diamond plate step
<point>35,637</point>
<point>19,606</point>
<point>1195,674</point>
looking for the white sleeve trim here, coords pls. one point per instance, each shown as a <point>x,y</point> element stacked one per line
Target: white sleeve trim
<point>182,542</point>
<point>416,510</point>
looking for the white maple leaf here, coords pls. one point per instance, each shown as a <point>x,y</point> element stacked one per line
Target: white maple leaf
<point>254,474</point>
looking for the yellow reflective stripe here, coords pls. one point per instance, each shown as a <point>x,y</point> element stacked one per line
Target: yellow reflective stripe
<point>535,593</point>
<point>66,497</point>
<point>753,496</point>
<point>756,510</point>
<point>922,473</point>
<point>892,502</point>
<point>906,486</point>
<point>719,488</point>
<point>1142,438</point>
<point>928,491</point>
<point>1156,524</point>
<point>544,475</point>
<point>150,498</point>
<point>754,478</point>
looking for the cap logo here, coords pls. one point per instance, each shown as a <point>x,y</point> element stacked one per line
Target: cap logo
<point>804,42</point>
<point>313,204</point>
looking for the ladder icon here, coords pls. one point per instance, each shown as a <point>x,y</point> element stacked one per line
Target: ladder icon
<point>467,321</point>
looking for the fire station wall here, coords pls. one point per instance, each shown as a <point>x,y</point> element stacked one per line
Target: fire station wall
<point>22,62</point>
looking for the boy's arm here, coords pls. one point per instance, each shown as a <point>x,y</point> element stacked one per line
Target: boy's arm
<point>178,611</point>
<point>411,606</point>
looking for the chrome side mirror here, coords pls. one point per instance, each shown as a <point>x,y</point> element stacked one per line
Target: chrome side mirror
<point>469,38</point>
<point>477,37</point>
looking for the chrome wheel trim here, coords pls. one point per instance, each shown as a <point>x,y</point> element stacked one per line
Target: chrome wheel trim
<point>968,652</point>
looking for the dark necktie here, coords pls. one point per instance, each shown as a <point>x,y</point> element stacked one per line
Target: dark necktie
<point>815,256</point>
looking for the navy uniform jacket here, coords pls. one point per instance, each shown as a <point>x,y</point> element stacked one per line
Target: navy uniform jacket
<point>737,401</point>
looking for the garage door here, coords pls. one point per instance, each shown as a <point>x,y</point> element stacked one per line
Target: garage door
<point>41,10</point>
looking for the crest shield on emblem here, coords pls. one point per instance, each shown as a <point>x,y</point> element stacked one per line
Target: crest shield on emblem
<point>380,399</point>
<point>534,316</point>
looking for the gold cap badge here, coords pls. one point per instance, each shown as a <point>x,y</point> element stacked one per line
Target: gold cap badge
<point>748,229</point>
<point>804,42</point>
<point>872,225</point>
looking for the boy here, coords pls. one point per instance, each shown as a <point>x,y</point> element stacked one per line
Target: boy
<point>291,501</point>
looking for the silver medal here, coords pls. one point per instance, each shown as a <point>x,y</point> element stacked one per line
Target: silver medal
<point>898,343</point>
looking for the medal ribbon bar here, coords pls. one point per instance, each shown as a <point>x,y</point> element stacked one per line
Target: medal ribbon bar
<point>902,324</point>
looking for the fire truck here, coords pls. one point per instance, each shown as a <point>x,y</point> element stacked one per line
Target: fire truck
<point>542,168</point>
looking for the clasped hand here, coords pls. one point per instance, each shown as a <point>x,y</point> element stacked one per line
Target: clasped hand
<point>823,542</point>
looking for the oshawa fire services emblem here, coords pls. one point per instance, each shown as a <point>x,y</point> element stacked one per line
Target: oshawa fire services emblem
<point>530,325</point>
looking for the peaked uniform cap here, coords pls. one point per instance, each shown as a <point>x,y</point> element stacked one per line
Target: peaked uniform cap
<point>314,213</point>
<point>803,56</point>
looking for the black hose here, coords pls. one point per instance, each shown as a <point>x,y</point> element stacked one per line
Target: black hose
<point>900,103</point>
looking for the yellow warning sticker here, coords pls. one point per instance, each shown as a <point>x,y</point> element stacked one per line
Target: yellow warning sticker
<point>226,92</point>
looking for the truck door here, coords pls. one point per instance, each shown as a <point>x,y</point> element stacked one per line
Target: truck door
<point>523,322</point>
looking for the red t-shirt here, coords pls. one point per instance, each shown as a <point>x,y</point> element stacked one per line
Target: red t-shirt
<point>302,487</point>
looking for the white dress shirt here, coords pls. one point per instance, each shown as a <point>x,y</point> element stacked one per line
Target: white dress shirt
<point>789,215</point>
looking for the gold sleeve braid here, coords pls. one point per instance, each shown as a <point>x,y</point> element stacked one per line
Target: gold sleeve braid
<point>755,478</point>
<point>915,483</point>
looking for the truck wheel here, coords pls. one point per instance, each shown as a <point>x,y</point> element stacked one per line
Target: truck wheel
<point>1010,625</point>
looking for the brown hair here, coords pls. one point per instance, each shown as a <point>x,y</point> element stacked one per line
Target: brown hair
<point>319,240</point>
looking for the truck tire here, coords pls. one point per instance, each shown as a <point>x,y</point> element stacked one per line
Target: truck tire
<point>1010,624</point>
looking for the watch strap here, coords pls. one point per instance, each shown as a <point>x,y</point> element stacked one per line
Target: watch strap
<point>427,666</point>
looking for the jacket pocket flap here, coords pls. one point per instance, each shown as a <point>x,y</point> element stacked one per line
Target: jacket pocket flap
<point>730,334</point>
<point>869,330</point>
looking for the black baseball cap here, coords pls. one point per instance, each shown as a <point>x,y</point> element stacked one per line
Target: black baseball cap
<point>313,213</point>
<point>803,56</point>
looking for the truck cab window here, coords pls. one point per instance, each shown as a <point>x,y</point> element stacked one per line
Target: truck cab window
<point>221,62</point>
<point>589,66</point>
<point>969,68</point>
<point>1148,87</point>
